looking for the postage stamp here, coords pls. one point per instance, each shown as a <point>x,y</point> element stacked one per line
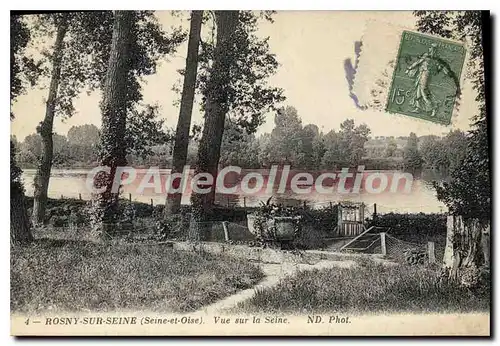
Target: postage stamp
<point>426,78</point>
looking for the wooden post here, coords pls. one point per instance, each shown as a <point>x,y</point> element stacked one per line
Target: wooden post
<point>339,216</point>
<point>374,211</point>
<point>331,205</point>
<point>80,196</point>
<point>151,202</point>
<point>226,232</point>
<point>305,205</point>
<point>244,202</point>
<point>382,243</point>
<point>130,197</point>
<point>432,254</point>
<point>485,243</point>
<point>62,197</point>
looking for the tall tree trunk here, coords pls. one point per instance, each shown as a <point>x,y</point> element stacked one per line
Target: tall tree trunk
<point>20,231</point>
<point>114,112</point>
<point>215,113</point>
<point>173,202</point>
<point>42,177</point>
<point>464,245</point>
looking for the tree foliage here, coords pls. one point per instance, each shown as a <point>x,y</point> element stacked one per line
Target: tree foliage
<point>20,228</point>
<point>249,95</point>
<point>23,70</point>
<point>411,155</point>
<point>345,148</point>
<point>144,130</point>
<point>469,191</point>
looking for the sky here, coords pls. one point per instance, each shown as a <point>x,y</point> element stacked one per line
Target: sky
<point>311,47</point>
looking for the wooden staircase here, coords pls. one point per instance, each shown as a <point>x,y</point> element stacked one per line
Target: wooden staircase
<point>366,242</point>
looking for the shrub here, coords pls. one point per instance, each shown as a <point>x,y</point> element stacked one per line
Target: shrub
<point>412,225</point>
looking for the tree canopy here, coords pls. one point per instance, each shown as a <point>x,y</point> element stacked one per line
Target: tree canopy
<point>469,191</point>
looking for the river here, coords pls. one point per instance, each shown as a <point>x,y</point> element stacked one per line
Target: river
<point>71,183</point>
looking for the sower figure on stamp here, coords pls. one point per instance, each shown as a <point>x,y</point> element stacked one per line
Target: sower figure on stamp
<point>426,66</point>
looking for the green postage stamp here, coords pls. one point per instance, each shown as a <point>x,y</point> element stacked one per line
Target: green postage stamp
<point>426,78</point>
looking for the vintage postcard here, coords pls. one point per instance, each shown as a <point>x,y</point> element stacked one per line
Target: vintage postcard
<point>234,172</point>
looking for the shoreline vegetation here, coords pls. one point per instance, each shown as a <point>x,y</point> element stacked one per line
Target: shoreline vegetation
<point>290,142</point>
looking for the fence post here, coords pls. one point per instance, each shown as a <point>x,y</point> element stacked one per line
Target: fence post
<point>374,211</point>
<point>432,254</point>
<point>244,202</point>
<point>382,243</point>
<point>151,202</point>
<point>130,197</point>
<point>80,196</point>
<point>226,232</point>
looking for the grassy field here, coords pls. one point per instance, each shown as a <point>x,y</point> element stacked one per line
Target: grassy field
<point>368,288</point>
<point>65,275</point>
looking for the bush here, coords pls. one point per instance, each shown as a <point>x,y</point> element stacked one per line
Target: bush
<point>412,225</point>
<point>174,225</point>
<point>323,219</point>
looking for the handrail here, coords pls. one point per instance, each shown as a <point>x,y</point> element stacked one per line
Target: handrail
<point>365,248</point>
<point>356,238</point>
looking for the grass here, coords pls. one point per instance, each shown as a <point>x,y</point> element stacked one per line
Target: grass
<point>72,276</point>
<point>367,288</point>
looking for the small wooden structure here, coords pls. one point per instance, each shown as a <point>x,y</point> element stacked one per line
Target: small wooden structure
<point>351,218</point>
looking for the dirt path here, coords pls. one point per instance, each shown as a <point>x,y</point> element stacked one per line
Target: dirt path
<point>273,274</point>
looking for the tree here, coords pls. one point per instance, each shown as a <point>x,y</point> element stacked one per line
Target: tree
<point>390,149</point>
<point>332,156</point>
<point>309,146</point>
<point>79,60</point>
<point>20,228</point>
<point>434,153</point>
<point>411,156</point>
<point>455,147</point>
<point>347,147</point>
<point>114,113</point>
<point>286,137</point>
<point>357,146</point>
<point>83,141</point>
<point>232,80</point>
<point>137,44</point>
<point>42,176</point>
<point>239,148</point>
<point>250,97</point>
<point>217,94</point>
<point>83,135</point>
<point>144,130</point>
<point>30,149</point>
<point>173,201</point>
<point>468,194</point>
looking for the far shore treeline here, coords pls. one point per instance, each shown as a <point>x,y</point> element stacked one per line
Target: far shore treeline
<point>290,142</point>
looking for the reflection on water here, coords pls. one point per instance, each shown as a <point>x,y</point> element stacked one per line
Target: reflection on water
<point>71,184</point>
